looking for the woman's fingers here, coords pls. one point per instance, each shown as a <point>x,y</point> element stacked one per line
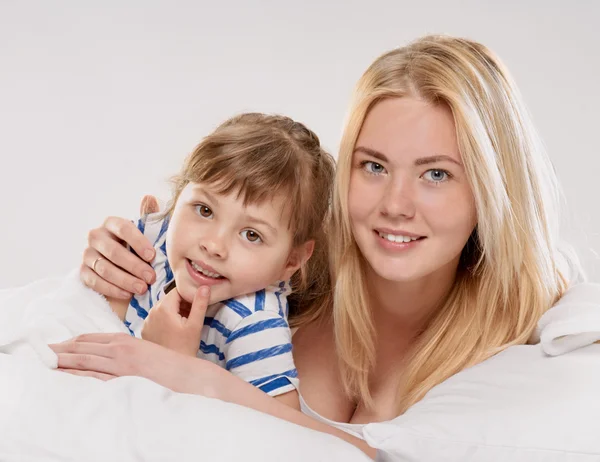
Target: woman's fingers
<point>96,283</point>
<point>98,346</point>
<point>86,362</point>
<point>107,242</point>
<point>99,274</point>
<point>102,353</point>
<point>98,337</point>
<point>128,232</point>
<point>96,375</point>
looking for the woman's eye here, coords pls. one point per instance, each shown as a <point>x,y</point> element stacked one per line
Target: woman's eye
<point>436,175</point>
<point>373,167</point>
<point>204,211</point>
<point>251,236</point>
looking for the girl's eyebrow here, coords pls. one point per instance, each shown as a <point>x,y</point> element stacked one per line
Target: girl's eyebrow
<point>420,161</point>
<point>201,190</point>
<point>259,221</point>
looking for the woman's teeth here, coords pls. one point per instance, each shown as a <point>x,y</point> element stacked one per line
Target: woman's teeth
<point>397,238</point>
<point>203,271</point>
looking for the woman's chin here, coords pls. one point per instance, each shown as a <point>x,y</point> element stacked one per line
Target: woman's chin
<point>397,273</point>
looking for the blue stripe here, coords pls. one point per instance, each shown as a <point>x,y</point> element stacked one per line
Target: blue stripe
<point>290,373</point>
<point>275,384</point>
<point>259,300</point>
<point>168,271</point>
<point>141,224</point>
<point>257,327</point>
<point>213,323</point>
<point>141,312</point>
<point>128,324</point>
<point>163,229</point>
<point>277,294</point>
<point>237,307</point>
<point>258,355</point>
<point>211,349</point>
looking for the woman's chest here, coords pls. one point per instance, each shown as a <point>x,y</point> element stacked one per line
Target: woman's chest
<point>321,384</point>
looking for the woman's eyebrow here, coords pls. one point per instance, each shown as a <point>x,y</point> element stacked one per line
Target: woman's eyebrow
<point>371,152</point>
<point>436,158</point>
<point>420,161</point>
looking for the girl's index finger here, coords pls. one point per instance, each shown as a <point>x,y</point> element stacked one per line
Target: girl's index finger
<point>199,306</point>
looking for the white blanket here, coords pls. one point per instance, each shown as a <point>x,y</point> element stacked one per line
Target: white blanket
<point>574,322</point>
<point>51,311</point>
<point>47,415</point>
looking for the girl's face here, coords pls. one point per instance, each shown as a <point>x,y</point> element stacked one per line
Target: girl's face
<point>214,239</point>
<point>411,206</point>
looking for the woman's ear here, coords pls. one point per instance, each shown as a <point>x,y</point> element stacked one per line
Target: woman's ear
<point>298,257</point>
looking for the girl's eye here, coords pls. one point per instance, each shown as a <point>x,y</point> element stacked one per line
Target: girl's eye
<point>251,236</point>
<point>204,211</point>
<point>373,167</point>
<point>436,175</point>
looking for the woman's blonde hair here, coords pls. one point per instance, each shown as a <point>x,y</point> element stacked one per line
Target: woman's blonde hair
<point>511,270</point>
<point>258,156</point>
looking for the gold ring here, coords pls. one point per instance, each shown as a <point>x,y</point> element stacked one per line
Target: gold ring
<point>96,261</point>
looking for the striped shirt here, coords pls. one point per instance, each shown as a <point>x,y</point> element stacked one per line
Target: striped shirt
<point>247,335</point>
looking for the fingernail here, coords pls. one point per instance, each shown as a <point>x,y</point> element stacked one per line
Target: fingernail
<point>139,288</point>
<point>148,277</point>
<point>204,290</point>
<point>148,254</point>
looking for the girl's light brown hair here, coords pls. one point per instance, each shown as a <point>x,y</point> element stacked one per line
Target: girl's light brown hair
<point>259,156</point>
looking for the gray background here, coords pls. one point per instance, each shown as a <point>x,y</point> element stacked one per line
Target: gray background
<point>101,100</point>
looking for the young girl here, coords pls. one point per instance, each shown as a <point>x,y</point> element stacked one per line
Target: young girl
<point>248,209</point>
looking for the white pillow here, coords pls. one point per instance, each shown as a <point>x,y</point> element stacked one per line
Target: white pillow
<point>50,416</point>
<point>519,406</point>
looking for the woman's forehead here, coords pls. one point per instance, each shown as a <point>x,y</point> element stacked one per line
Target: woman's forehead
<point>410,127</point>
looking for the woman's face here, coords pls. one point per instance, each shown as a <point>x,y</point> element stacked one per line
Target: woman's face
<point>411,206</point>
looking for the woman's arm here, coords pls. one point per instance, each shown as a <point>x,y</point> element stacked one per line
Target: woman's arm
<point>227,387</point>
<point>106,356</point>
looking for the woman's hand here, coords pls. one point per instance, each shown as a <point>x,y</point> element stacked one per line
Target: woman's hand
<point>106,356</point>
<point>112,270</point>
<point>174,325</point>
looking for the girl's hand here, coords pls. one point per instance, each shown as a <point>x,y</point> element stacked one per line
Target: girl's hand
<point>112,270</point>
<point>168,325</point>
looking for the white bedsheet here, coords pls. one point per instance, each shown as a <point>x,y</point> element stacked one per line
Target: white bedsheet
<point>46,415</point>
<point>51,416</point>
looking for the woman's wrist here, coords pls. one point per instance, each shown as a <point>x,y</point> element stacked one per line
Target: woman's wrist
<point>202,378</point>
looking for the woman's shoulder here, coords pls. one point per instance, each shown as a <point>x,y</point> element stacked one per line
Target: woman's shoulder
<point>313,337</point>
<point>317,364</point>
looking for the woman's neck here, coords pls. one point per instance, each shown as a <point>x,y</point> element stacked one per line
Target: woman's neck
<point>402,308</point>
